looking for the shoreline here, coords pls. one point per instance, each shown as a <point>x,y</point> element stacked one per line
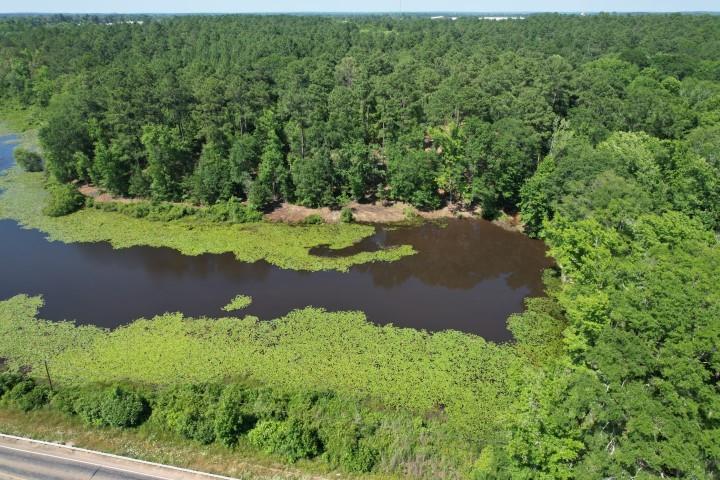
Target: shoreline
<point>283,245</point>
<point>376,213</point>
<point>372,213</point>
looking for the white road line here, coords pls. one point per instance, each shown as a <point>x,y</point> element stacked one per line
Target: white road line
<point>107,467</point>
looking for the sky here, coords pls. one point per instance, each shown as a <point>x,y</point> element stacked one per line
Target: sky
<point>247,6</point>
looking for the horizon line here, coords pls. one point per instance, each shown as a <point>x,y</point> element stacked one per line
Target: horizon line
<point>368,12</point>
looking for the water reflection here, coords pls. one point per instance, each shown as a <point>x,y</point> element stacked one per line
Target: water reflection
<point>467,275</point>
<point>459,254</point>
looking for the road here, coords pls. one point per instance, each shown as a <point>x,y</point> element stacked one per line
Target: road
<point>23,459</point>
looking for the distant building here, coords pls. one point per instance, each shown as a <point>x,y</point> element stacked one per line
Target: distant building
<point>131,22</point>
<point>502,18</point>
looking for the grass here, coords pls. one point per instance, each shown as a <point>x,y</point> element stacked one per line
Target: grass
<point>238,303</point>
<point>286,246</point>
<point>150,445</point>
<point>448,373</point>
<point>15,118</point>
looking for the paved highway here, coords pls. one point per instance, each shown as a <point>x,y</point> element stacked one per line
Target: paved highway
<point>22,459</point>
<point>19,464</point>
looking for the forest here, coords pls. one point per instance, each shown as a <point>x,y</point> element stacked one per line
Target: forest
<point>602,132</point>
<point>321,111</point>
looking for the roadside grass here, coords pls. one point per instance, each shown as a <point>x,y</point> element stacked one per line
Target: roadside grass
<point>286,246</point>
<point>146,443</point>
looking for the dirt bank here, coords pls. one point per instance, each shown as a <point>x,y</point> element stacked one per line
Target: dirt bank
<point>376,212</point>
<point>103,197</point>
<point>363,212</point>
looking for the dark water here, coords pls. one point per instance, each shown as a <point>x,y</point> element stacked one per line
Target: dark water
<point>468,275</point>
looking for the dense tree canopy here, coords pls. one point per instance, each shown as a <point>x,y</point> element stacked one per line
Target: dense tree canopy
<point>456,111</point>
<point>602,131</point>
<point>638,394</point>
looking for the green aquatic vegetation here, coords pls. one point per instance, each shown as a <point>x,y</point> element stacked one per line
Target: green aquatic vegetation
<point>238,303</point>
<point>14,118</point>
<point>286,246</point>
<point>448,373</point>
<point>28,341</point>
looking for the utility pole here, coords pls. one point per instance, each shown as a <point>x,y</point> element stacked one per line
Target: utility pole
<point>47,372</point>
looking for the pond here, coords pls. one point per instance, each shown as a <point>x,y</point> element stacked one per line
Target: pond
<point>468,275</point>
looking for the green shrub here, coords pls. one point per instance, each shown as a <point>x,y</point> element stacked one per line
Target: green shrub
<point>348,435</point>
<point>106,206</point>
<point>349,445</point>
<point>362,457</point>
<point>313,219</point>
<point>267,404</point>
<point>139,184</point>
<point>86,404</point>
<point>64,400</point>
<point>231,417</point>
<point>346,215</point>
<point>28,395</point>
<point>111,406</point>
<point>122,408</point>
<point>28,161</point>
<point>166,212</point>
<point>189,410</point>
<point>137,210</point>
<point>8,381</point>
<point>64,199</point>
<point>411,215</point>
<point>134,209</point>
<point>412,177</point>
<point>291,426</point>
<point>289,439</point>
<point>232,211</point>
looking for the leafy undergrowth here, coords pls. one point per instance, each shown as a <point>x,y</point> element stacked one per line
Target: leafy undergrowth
<point>286,246</point>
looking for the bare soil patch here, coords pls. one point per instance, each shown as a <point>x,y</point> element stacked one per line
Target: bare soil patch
<point>376,212</point>
<point>364,212</point>
<point>510,222</point>
<point>103,197</point>
<point>289,213</point>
